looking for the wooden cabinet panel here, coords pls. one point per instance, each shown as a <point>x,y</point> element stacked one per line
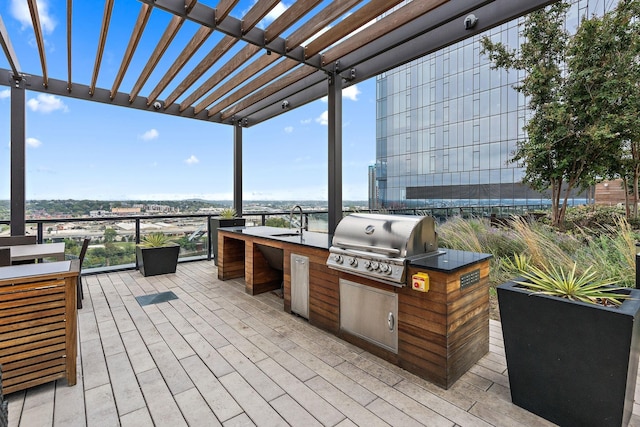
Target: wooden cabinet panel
<point>38,335</point>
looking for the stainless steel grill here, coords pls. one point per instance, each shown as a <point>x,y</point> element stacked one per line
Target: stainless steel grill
<point>379,246</point>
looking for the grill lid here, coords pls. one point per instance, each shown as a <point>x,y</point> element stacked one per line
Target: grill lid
<point>398,236</point>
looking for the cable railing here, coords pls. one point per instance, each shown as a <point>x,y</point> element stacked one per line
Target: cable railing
<point>113,238</point>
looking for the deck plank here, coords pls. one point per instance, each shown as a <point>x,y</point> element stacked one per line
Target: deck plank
<point>218,356</point>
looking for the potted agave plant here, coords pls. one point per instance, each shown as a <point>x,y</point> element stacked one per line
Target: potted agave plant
<point>157,254</point>
<point>572,343</point>
<point>228,218</point>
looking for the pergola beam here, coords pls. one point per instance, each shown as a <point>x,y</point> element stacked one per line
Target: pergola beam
<point>37,29</point>
<point>104,30</point>
<point>141,23</point>
<point>7,47</point>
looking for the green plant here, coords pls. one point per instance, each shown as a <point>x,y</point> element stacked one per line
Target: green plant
<point>519,263</point>
<point>155,240</point>
<point>228,213</point>
<point>583,287</point>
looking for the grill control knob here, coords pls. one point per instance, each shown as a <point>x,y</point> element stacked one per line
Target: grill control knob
<point>338,259</point>
<point>353,262</point>
<point>374,265</point>
<point>384,268</point>
<point>367,265</point>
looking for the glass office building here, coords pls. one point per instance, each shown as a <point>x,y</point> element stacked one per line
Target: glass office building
<point>447,126</point>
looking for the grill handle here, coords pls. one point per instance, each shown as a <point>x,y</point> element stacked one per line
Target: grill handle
<point>388,251</point>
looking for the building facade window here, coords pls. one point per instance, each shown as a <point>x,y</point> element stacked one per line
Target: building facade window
<point>467,122</point>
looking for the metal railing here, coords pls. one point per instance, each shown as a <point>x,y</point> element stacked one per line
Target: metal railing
<point>115,250</point>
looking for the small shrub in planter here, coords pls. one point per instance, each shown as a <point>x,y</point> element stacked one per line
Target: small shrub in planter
<point>572,344</point>
<point>157,254</point>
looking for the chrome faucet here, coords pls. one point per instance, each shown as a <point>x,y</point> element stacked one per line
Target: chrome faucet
<point>301,218</point>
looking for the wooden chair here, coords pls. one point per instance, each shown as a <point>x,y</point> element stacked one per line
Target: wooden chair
<point>5,257</point>
<point>83,252</point>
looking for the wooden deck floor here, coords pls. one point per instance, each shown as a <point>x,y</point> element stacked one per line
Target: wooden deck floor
<point>217,356</point>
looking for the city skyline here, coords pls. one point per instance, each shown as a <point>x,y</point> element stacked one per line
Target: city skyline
<point>86,150</point>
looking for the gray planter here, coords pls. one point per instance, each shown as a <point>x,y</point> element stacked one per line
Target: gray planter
<point>569,362</point>
<point>160,260</point>
<point>217,222</point>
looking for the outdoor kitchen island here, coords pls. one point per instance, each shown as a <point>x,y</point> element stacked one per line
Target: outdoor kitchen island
<point>438,334</point>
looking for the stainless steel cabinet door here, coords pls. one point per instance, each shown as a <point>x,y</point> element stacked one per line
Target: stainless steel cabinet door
<point>369,313</point>
<point>300,285</point>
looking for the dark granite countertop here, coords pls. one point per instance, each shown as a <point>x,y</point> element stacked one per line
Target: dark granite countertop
<point>288,235</point>
<point>448,260</point>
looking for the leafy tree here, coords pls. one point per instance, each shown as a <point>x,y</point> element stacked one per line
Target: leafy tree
<point>110,235</point>
<point>277,222</point>
<point>558,156</point>
<point>604,85</point>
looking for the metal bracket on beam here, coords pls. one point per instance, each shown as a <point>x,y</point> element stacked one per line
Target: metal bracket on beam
<point>17,79</point>
<point>352,74</point>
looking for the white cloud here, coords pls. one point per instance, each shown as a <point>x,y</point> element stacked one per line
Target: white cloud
<point>275,13</point>
<point>305,121</point>
<point>323,119</point>
<point>46,104</point>
<point>33,142</point>
<point>20,11</point>
<point>149,135</point>
<point>6,93</point>
<point>350,93</point>
<point>192,160</point>
<point>271,16</point>
<point>288,129</point>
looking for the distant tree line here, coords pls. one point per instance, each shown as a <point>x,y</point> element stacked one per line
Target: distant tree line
<point>77,208</point>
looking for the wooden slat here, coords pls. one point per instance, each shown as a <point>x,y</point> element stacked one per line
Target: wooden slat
<point>243,75</point>
<point>394,20</point>
<point>16,330</point>
<point>357,19</point>
<point>259,10</point>
<point>57,363</point>
<point>194,44</point>
<point>271,74</point>
<point>318,22</point>
<point>211,58</point>
<point>32,310</point>
<point>28,315</point>
<point>29,297</point>
<point>278,84</point>
<point>33,381</point>
<point>222,73</point>
<point>9,353</point>
<point>37,29</point>
<point>106,19</point>
<point>8,368</point>
<point>138,29</point>
<point>223,9</point>
<point>289,17</point>
<point>166,39</point>
<point>30,285</point>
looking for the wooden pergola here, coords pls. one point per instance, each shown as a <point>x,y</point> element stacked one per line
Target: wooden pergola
<point>293,61</point>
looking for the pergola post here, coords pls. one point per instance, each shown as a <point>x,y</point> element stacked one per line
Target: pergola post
<point>335,151</point>
<point>18,198</point>
<point>237,169</point>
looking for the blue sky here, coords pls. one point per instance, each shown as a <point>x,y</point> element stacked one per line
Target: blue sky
<point>86,150</point>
